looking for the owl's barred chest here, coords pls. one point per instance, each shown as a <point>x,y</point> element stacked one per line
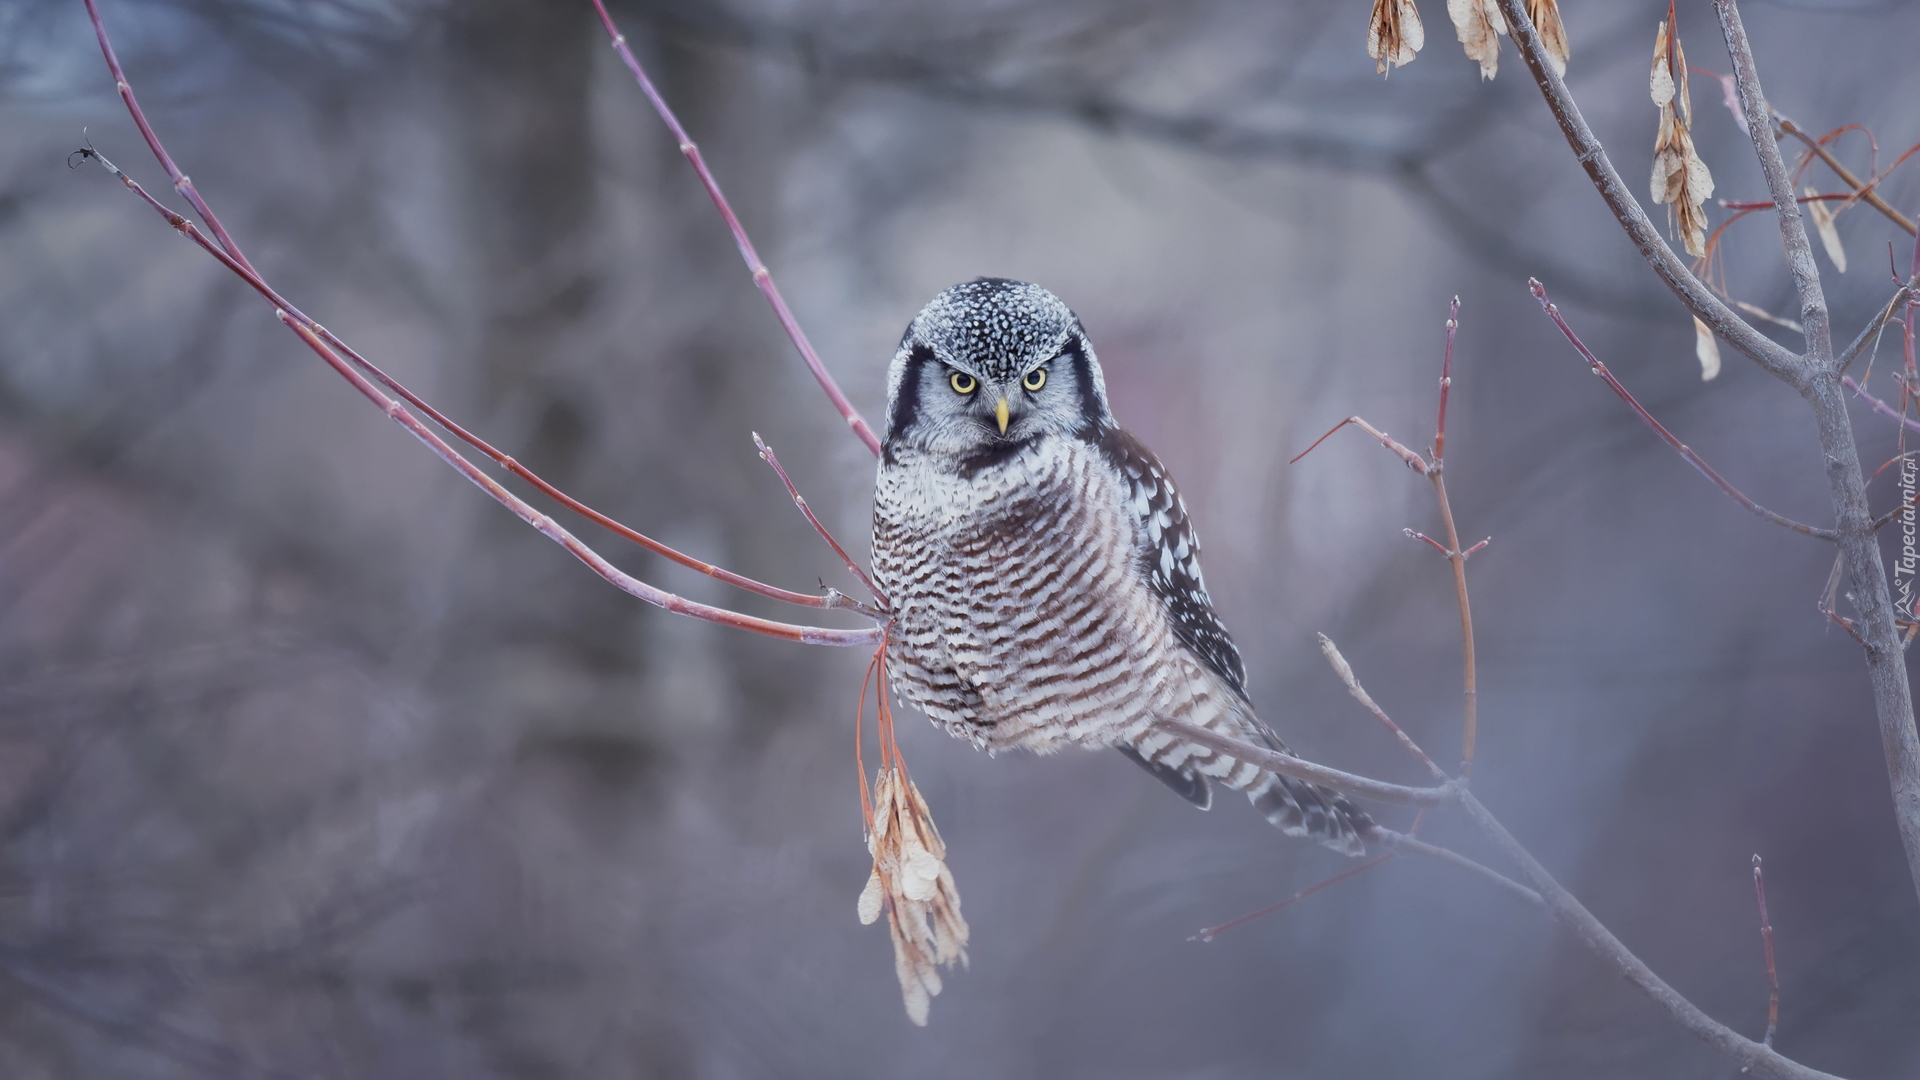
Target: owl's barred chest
<point>1019,616</point>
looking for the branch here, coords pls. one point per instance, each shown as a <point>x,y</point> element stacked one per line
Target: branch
<point>799,500</point>
<point>1301,769</point>
<point>1866,570</point>
<point>325,344</point>
<point>1766,939</point>
<point>1871,331</point>
<point>1861,190</point>
<point>1402,842</point>
<point>810,635</point>
<point>762,277</point>
<point>1706,470</point>
<point>1793,228</point>
<point>1345,671</point>
<point>1699,299</point>
<point>1761,1060</point>
<point>1437,473</point>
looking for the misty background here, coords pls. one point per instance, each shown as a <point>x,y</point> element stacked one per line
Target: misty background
<point>315,762</point>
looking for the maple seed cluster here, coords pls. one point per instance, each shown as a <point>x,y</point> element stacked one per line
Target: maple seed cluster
<point>911,883</point>
<point>1680,179</point>
<point>1394,33</point>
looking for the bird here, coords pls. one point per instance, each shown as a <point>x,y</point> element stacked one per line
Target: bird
<point>1042,574</point>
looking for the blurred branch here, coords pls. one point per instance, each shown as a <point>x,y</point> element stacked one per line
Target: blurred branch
<point>1886,660</point>
<point>320,341</point>
<point>1341,148</point>
<point>762,277</point>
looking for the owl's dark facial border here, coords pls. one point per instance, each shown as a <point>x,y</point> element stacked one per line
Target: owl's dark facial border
<point>906,409</point>
<point>1093,408</point>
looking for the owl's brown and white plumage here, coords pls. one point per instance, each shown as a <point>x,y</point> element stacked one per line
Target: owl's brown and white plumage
<point>1044,579</point>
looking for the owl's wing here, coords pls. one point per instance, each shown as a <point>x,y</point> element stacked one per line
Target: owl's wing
<point>1170,555</point>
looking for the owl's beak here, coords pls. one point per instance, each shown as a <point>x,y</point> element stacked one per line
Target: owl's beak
<point>1000,414</point>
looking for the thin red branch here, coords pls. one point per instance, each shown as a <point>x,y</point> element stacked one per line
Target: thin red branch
<point>1352,682</point>
<point>227,252</point>
<point>1412,460</point>
<point>1878,405</point>
<point>762,277</point>
<point>1437,473</point>
<point>1211,932</point>
<point>799,500</point>
<point>395,410</point>
<point>1766,937</point>
<point>1446,385</point>
<point>295,318</point>
<point>1862,189</point>
<point>181,183</point>
<point>1706,470</point>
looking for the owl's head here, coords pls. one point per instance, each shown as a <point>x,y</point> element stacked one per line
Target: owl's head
<point>989,366</point>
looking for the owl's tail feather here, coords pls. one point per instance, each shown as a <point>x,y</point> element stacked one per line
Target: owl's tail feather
<point>1295,807</point>
<point>1298,808</point>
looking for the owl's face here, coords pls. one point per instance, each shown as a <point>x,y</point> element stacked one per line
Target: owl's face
<point>989,366</point>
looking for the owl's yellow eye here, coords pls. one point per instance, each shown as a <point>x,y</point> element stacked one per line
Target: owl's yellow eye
<point>962,382</point>
<point>1035,379</point>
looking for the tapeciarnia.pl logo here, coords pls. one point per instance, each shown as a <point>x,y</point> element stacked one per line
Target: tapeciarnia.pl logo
<point>1908,562</point>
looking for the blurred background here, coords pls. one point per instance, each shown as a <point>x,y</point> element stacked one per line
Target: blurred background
<point>314,762</point>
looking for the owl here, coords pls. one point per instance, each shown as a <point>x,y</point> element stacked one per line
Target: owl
<point>1043,576</point>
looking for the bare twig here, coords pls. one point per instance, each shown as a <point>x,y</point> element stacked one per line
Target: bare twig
<point>1698,299</point>
<point>799,500</point>
<point>329,348</point>
<point>1345,671</point>
<point>1210,932</point>
<point>1301,769</point>
<point>546,525</point>
<point>1861,190</point>
<point>1403,842</point>
<point>1413,461</point>
<point>762,278</point>
<point>1871,331</point>
<point>1706,470</point>
<point>811,635</point>
<point>1759,1059</point>
<point>1436,472</point>
<point>1766,938</point>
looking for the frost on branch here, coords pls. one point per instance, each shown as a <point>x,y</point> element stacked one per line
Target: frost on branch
<point>1394,34</point>
<point>1479,25</point>
<point>912,884</point>
<point>1680,179</point>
